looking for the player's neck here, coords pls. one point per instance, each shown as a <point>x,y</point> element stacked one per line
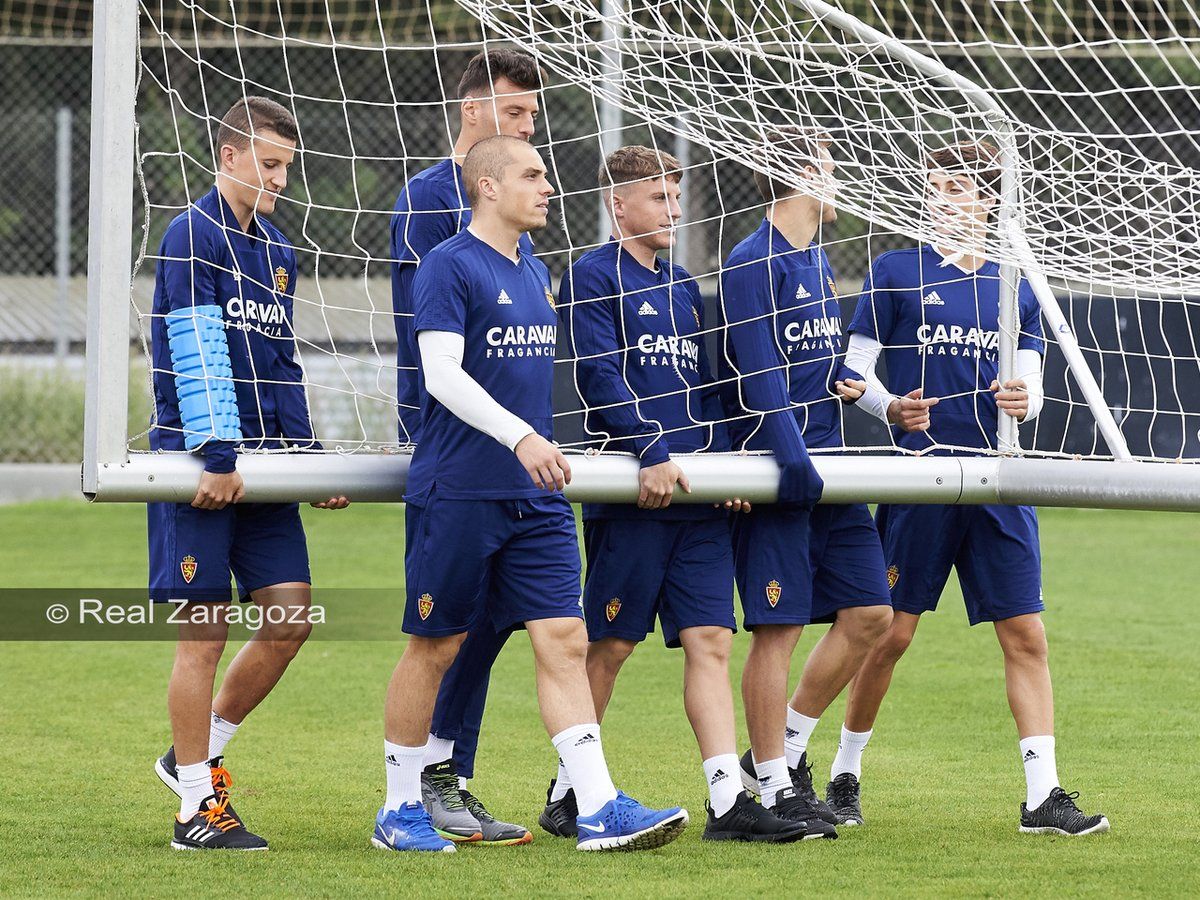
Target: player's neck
<point>971,261</point>
<point>646,257</point>
<point>497,234</point>
<point>243,212</point>
<point>796,219</point>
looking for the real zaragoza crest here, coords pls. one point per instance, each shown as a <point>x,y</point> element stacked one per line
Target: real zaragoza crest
<point>774,592</point>
<point>425,606</point>
<point>281,279</point>
<point>612,608</point>
<point>549,297</point>
<point>893,574</point>
<point>187,567</point>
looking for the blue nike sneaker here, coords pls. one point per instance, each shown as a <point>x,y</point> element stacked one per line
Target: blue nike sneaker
<point>624,824</point>
<point>408,828</point>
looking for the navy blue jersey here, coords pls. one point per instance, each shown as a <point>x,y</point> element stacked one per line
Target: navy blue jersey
<point>640,364</point>
<point>785,326</point>
<point>505,312</point>
<point>432,207</point>
<point>206,258</point>
<point>939,328</point>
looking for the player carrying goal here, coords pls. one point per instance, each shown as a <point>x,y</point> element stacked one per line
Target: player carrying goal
<point>933,315</point>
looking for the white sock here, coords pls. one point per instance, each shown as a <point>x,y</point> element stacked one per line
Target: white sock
<point>220,733</point>
<point>462,783</point>
<point>724,782</point>
<point>562,782</point>
<point>1041,773</point>
<point>403,767</point>
<point>438,750</point>
<point>581,752</point>
<point>795,737</point>
<point>772,778</point>
<point>849,754</point>
<point>195,786</point>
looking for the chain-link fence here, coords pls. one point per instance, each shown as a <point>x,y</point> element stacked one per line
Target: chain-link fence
<point>371,114</point>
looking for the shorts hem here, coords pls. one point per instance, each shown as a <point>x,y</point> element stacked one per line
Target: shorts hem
<point>572,613</point>
<point>829,617</point>
<point>1009,614</point>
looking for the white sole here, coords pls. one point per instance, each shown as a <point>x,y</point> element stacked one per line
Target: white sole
<point>380,845</point>
<point>664,832</point>
<point>750,783</point>
<point>163,776</point>
<point>1099,828</point>
<point>177,846</point>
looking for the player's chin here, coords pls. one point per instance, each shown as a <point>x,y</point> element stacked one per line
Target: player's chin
<point>266,203</point>
<point>537,219</point>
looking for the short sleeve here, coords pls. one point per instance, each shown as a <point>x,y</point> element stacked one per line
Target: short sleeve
<point>875,315</point>
<point>441,292</point>
<point>1031,337</point>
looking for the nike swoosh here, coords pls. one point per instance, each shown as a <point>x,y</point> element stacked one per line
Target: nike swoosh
<point>595,828</point>
<point>390,837</point>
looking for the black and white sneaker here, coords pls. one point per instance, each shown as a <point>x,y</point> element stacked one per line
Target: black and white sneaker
<point>214,827</point>
<point>1058,814</point>
<point>558,818</point>
<point>747,820</point>
<point>803,783</point>
<point>749,773</point>
<point>167,771</point>
<point>844,797</point>
<point>788,805</point>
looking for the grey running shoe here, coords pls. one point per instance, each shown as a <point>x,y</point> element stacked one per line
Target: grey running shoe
<point>451,818</point>
<point>1058,814</point>
<point>495,832</point>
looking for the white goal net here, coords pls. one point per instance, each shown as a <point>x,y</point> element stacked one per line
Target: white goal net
<point>1095,110</point>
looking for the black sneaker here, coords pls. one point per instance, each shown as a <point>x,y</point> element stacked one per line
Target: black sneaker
<point>843,795</point>
<point>214,827</point>
<point>747,820</point>
<point>167,771</point>
<point>749,773</point>
<point>803,783</point>
<point>558,818</point>
<point>789,805</point>
<point>1058,814</point>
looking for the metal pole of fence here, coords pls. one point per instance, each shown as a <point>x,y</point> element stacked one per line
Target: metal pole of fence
<point>683,235</point>
<point>62,231</point>
<point>610,114</point>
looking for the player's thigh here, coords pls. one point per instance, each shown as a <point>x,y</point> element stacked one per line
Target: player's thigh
<point>698,589</point>
<point>920,543</point>
<point>626,564</point>
<point>189,552</point>
<point>269,548</point>
<point>1000,564</point>
<point>772,565</point>
<point>448,554</point>
<point>848,566</point>
<point>536,573</point>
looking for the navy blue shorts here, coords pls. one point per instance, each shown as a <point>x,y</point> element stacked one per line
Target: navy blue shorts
<point>847,560</point>
<point>994,549</point>
<point>772,566</point>
<point>679,571</point>
<point>193,552</point>
<point>514,560</point>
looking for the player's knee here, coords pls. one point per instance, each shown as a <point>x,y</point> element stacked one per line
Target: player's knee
<point>1024,639</point>
<point>436,652</point>
<point>708,646</point>
<point>893,644</point>
<point>609,653</point>
<point>286,638</point>
<point>873,622</point>
<point>200,654</point>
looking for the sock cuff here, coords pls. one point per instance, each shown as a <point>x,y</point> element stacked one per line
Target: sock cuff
<point>856,736</point>
<point>400,752</point>
<point>799,717</point>
<point>575,735</point>
<point>1037,742</point>
<point>194,775</point>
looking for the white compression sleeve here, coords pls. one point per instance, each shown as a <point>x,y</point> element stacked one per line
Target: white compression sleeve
<point>1029,369</point>
<point>862,353</point>
<point>449,384</point>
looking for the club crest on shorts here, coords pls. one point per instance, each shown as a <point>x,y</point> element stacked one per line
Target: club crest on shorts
<point>424,606</point>
<point>281,279</point>
<point>612,608</point>
<point>893,574</point>
<point>188,568</point>
<point>774,592</point>
<point>549,297</point>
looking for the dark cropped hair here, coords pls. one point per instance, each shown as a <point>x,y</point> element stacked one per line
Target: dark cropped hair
<point>253,116</point>
<point>488,67</point>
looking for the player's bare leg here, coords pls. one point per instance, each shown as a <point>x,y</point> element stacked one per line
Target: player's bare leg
<point>604,660</point>
<point>1027,673</point>
<point>262,660</point>
<point>764,694</point>
<point>707,697</point>
<point>870,684</point>
<point>560,652</point>
<point>408,709</point>
<point>838,655</point>
<point>867,690</point>
<point>190,691</point>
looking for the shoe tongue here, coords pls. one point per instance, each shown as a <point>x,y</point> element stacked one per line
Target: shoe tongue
<point>210,802</point>
<point>786,793</point>
<point>445,767</point>
<point>216,762</point>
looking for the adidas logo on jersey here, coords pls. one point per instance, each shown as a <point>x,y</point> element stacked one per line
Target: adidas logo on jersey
<point>647,310</point>
<point>504,298</point>
<point>932,299</point>
<point>802,293</point>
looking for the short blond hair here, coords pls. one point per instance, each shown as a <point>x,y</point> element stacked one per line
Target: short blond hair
<point>637,163</point>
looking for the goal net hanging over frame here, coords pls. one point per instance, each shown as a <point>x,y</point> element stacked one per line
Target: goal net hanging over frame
<point>1095,120</point>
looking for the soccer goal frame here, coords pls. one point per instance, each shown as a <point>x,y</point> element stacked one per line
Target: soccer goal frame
<point>111,473</point>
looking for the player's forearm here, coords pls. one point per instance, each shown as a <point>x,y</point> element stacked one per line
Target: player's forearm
<point>862,354</point>
<point>449,384</point>
<point>604,390</point>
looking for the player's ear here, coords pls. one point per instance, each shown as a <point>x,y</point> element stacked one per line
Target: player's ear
<point>470,111</point>
<point>227,155</point>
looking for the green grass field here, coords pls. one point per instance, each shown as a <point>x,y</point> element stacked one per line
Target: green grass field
<point>81,811</point>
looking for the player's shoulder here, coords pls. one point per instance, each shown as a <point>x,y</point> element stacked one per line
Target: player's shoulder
<point>681,276</point>
<point>431,188</point>
<point>454,252</point>
<point>197,229</point>
<point>904,256</point>
<point>750,249</point>
<point>596,266</point>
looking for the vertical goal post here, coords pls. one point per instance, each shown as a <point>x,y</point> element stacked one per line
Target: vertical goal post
<point>112,473</point>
